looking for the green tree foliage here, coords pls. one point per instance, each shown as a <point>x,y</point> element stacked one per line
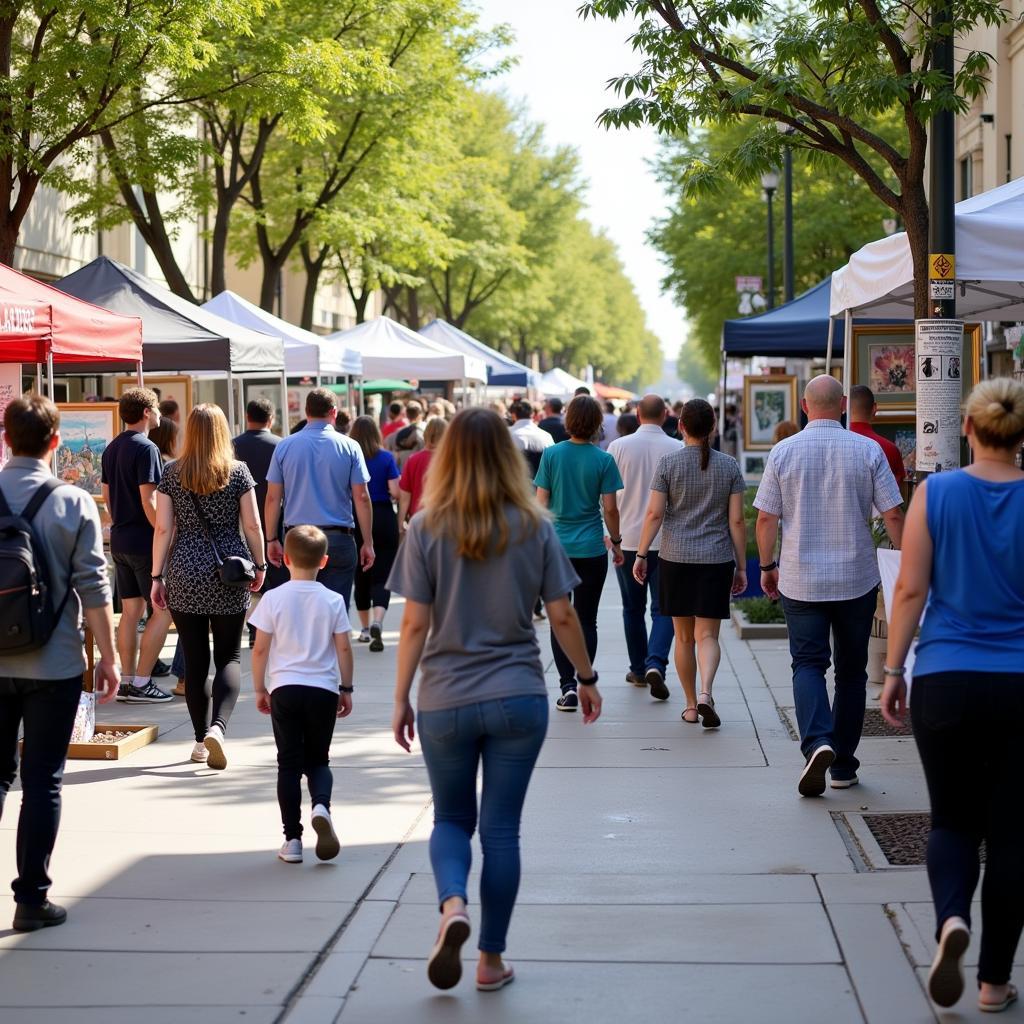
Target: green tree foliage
<point>696,369</point>
<point>708,240</point>
<point>71,71</point>
<point>828,70</point>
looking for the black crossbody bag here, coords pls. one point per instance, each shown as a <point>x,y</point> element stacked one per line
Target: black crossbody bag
<point>233,571</point>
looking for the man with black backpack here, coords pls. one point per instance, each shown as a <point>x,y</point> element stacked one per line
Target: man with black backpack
<point>52,570</point>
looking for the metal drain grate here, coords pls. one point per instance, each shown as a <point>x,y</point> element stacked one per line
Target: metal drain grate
<point>876,725</point>
<point>902,838</point>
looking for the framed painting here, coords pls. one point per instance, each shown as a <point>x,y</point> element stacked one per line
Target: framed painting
<point>902,431</point>
<point>178,387</point>
<point>883,358</point>
<point>753,465</point>
<point>767,401</point>
<point>86,428</point>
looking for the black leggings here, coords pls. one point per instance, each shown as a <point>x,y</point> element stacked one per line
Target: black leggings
<point>194,634</point>
<point>303,719</point>
<point>371,587</point>
<point>585,599</point>
<point>969,728</point>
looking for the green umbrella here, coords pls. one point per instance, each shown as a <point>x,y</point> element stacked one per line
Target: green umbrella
<point>374,385</point>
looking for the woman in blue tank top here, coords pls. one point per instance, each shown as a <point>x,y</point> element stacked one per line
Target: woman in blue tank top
<point>963,553</point>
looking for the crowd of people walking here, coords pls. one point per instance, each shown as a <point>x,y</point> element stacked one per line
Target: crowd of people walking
<point>478,520</point>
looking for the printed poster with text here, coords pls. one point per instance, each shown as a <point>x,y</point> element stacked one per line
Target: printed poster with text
<point>10,388</point>
<point>939,352</point>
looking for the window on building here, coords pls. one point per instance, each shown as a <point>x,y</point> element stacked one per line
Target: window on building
<point>967,177</point>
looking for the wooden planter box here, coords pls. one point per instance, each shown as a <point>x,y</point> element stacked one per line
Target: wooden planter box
<point>747,630</point>
<point>141,735</point>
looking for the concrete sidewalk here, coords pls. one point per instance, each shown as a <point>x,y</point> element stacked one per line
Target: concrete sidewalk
<point>669,874</point>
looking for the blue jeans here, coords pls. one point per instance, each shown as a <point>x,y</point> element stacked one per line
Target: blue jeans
<point>809,624</point>
<point>340,571</point>
<point>645,652</point>
<point>178,664</point>
<point>506,735</point>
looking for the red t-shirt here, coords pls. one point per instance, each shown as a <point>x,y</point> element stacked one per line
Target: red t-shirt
<point>413,477</point>
<point>892,453</point>
<point>393,426</point>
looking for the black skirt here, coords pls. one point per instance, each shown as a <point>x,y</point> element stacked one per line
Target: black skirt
<point>691,589</point>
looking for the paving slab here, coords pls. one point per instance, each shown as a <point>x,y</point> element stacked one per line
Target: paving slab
<point>135,1014</point>
<point>32,978</point>
<point>581,993</point>
<point>790,933</point>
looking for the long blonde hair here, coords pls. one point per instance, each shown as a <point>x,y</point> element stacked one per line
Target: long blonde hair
<point>475,474</point>
<point>204,465</point>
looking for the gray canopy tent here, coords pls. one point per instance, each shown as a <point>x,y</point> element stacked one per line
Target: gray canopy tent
<point>178,336</point>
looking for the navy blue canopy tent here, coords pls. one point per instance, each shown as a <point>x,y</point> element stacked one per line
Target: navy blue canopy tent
<point>798,329</point>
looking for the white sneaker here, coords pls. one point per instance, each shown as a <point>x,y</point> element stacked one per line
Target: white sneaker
<point>327,845</point>
<point>200,753</point>
<point>214,743</point>
<point>291,851</point>
<point>364,635</point>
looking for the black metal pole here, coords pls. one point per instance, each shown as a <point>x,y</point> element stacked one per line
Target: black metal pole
<point>769,192</point>
<point>942,150</point>
<point>787,233</point>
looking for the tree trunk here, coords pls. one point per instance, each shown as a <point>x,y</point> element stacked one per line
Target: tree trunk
<point>915,219</point>
<point>413,315</point>
<point>219,244</point>
<point>314,266</point>
<point>268,285</point>
<point>360,303</point>
<point>9,231</point>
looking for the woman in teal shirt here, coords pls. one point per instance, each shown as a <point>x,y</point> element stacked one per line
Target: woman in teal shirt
<point>576,480</point>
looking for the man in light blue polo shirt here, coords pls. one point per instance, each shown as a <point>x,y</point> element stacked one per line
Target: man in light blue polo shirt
<point>319,476</point>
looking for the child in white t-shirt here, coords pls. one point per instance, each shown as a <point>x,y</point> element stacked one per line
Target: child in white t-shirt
<point>302,641</point>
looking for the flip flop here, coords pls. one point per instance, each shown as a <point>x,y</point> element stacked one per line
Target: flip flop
<point>946,977</point>
<point>444,968</point>
<point>707,713</point>
<point>495,986</point>
<point>1011,998</point>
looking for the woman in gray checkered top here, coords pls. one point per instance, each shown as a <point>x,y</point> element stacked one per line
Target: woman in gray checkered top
<point>697,504</point>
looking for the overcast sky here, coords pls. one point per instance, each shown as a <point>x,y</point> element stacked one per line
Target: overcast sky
<point>564,63</point>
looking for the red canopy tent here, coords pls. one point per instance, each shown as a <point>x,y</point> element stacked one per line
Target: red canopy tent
<point>40,324</point>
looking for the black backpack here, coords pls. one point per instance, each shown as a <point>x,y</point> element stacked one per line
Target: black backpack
<point>27,615</point>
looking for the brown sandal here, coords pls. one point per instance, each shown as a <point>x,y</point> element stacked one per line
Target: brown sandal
<point>691,721</point>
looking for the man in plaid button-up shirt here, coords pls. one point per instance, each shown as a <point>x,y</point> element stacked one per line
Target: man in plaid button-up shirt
<point>821,485</point>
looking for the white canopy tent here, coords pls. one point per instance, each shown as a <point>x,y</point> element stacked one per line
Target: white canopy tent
<point>879,279</point>
<point>305,353</point>
<point>389,349</point>
<point>557,383</point>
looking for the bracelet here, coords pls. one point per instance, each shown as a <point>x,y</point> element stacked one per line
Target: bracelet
<point>592,681</point>
<point>260,568</point>
<point>770,567</point>
<point>897,672</point>
<point>616,540</point>
<point>160,577</point>
<point>347,689</point>
<point>644,557</point>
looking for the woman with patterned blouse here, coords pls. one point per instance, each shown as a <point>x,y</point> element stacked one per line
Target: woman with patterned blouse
<point>697,504</point>
<point>206,477</point>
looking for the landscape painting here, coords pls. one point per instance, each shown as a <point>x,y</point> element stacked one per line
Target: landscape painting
<point>86,428</point>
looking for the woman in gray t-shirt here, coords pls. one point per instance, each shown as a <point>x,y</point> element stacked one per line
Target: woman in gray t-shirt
<point>471,569</point>
<point>697,503</point>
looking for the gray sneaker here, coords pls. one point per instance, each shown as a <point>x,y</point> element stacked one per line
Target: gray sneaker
<point>129,693</point>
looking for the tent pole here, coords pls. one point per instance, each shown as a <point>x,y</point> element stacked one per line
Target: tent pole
<point>828,350</point>
<point>39,378</point>
<point>284,401</point>
<point>721,397</point>
<point>138,374</point>
<point>49,374</point>
<point>231,402</point>
<point>362,397</point>
<point>847,348</point>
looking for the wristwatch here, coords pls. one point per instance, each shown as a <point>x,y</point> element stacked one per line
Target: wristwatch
<point>770,567</point>
<point>616,540</point>
<point>347,689</point>
<point>592,681</point>
<point>260,568</point>
<point>160,576</point>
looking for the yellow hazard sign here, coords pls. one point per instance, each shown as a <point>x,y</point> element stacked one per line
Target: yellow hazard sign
<point>941,266</point>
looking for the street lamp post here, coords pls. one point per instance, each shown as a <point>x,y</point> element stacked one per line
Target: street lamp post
<point>787,238</point>
<point>770,182</point>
